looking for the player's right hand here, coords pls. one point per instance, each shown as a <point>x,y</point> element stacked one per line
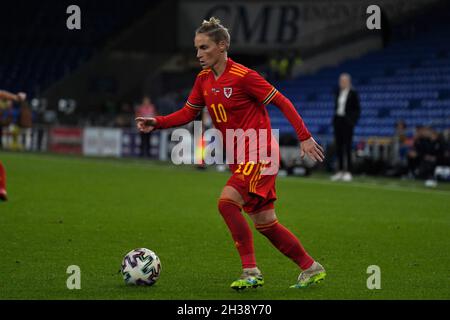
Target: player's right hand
<point>21,96</point>
<point>145,125</point>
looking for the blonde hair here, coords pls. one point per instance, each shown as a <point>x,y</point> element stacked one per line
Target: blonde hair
<point>213,29</point>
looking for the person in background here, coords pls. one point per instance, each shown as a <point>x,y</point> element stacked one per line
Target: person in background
<point>6,117</point>
<point>445,159</point>
<point>25,124</point>
<point>431,157</point>
<point>416,151</point>
<point>124,117</point>
<point>347,112</point>
<point>145,110</point>
<point>424,156</point>
<point>400,145</point>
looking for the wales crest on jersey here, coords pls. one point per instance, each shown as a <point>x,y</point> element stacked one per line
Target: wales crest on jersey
<point>227,92</point>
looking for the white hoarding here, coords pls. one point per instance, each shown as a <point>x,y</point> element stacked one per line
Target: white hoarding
<point>105,142</point>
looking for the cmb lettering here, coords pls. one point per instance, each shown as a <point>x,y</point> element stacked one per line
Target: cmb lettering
<point>260,24</point>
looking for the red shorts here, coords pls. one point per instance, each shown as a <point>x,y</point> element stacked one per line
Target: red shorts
<point>256,188</point>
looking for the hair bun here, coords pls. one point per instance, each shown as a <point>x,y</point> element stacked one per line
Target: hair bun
<point>212,21</point>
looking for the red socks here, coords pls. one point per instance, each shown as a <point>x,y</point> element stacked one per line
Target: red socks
<point>280,237</point>
<point>240,231</point>
<point>286,242</point>
<point>2,177</point>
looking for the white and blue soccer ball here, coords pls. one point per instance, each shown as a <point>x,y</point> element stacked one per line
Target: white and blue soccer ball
<point>141,267</point>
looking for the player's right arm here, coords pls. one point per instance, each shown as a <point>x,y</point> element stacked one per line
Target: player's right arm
<point>194,104</point>
<point>21,96</point>
<point>176,119</point>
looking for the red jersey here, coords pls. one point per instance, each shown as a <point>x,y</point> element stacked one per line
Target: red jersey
<point>241,94</point>
<point>237,100</point>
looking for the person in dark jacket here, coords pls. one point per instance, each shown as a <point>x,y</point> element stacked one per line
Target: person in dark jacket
<point>346,115</point>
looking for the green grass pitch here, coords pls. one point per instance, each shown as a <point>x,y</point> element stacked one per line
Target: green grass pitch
<point>90,212</point>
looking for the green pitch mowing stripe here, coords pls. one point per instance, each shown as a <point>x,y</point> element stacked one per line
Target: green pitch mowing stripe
<point>90,212</point>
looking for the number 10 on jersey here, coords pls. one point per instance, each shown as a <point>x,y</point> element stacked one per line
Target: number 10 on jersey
<point>219,113</point>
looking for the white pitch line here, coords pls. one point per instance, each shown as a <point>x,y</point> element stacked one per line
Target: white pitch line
<point>373,186</point>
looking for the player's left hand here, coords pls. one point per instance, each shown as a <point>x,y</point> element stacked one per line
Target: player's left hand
<point>311,148</point>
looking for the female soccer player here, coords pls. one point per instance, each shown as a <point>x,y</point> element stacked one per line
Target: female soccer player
<point>3,194</point>
<point>236,98</point>
<point>15,97</point>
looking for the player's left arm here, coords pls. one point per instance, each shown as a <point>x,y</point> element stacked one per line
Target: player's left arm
<point>308,145</point>
<point>11,96</point>
<point>264,92</point>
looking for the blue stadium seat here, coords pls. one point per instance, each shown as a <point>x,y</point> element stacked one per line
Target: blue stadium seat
<point>40,50</point>
<point>409,80</point>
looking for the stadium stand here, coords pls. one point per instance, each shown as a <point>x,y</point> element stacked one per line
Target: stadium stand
<point>41,50</point>
<point>408,80</point>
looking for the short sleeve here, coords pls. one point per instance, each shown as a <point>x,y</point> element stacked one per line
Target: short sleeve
<point>258,87</point>
<point>195,99</point>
